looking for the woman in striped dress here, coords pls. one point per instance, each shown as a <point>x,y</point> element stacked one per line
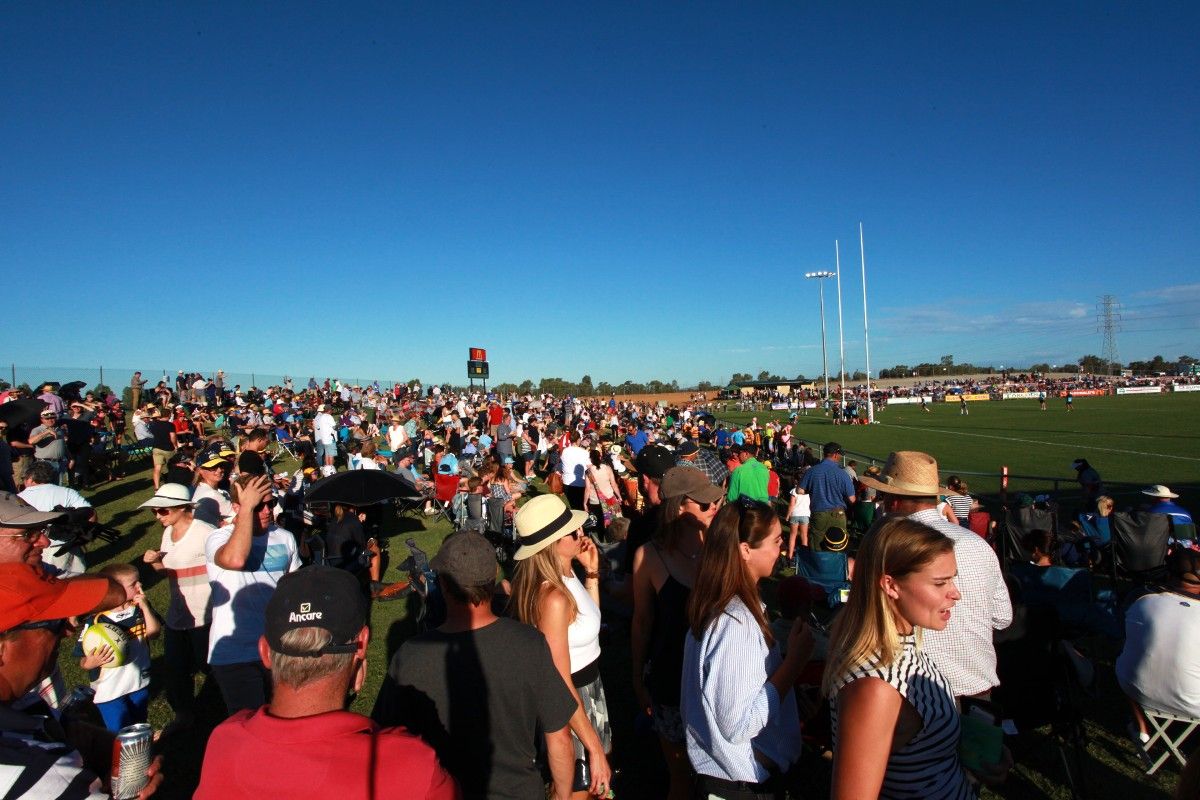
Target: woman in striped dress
<point>895,723</point>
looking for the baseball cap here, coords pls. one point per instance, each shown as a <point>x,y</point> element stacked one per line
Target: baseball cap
<point>654,460</point>
<point>831,448</point>
<point>688,448</point>
<point>27,594</point>
<point>211,458</point>
<point>16,513</point>
<point>466,558</point>
<point>690,482</point>
<point>316,597</point>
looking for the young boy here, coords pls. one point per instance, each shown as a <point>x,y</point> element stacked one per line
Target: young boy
<point>122,692</point>
<point>474,506</point>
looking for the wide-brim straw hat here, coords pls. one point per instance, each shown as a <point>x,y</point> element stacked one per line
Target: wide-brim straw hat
<point>908,473</point>
<point>1160,491</point>
<point>170,495</point>
<point>543,521</point>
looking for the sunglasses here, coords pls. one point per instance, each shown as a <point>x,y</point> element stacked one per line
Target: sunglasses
<point>574,535</point>
<point>30,536</point>
<point>706,506</point>
<point>163,511</point>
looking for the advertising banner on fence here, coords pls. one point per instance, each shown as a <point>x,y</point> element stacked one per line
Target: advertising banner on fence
<point>953,398</point>
<point>1085,393</point>
<point>1185,387</point>
<point>1020,395</point>
<point>779,406</point>
<point>1139,390</point>
<point>901,401</point>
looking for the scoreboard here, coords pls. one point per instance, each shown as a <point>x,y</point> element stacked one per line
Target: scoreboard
<point>477,365</point>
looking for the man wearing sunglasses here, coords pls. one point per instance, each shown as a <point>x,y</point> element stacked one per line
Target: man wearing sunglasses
<point>43,757</point>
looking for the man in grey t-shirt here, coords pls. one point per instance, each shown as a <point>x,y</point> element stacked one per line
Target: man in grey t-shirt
<point>49,442</point>
<point>456,686</point>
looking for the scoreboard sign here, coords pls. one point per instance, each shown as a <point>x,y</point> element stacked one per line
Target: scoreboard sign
<point>477,365</point>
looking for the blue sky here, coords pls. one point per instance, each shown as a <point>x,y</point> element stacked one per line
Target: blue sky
<point>627,190</point>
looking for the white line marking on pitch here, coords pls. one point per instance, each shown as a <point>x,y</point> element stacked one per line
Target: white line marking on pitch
<point>1035,441</point>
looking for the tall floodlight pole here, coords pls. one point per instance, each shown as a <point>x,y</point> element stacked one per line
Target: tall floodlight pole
<point>862,252</point>
<point>837,257</point>
<point>820,276</point>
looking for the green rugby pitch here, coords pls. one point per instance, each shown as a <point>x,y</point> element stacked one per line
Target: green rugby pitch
<point>1129,439</point>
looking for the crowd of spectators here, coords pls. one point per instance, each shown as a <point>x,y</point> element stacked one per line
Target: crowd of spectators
<point>657,520</point>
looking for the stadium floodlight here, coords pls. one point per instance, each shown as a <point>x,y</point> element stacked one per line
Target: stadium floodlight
<point>821,276</point>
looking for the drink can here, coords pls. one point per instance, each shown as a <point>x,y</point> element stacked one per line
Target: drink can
<point>131,759</point>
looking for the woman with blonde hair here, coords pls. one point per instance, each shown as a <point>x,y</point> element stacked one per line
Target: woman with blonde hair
<point>548,595</point>
<point>742,722</point>
<point>895,723</point>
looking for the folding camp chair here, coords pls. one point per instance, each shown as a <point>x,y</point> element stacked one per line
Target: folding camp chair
<point>1045,680</point>
<point>285,441</point>
<point>1139,544</point>
<point>1181,532</point>
<point>980,523</point>
<point>445,488</point>
<point>1020,521</point>
<point>828,571</point>
<point>1161,723</point>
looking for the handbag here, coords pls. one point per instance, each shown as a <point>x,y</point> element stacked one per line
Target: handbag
<point>554,482</point>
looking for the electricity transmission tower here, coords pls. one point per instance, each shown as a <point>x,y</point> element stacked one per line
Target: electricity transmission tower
<point>1108,321</point>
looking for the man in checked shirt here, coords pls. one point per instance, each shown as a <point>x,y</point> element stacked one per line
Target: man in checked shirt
<point>963,651</point>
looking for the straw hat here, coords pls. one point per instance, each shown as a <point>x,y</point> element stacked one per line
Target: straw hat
<point>908,473</point>
<point>169,495</point>
<point>543,521</point>
<point>1160,491</point>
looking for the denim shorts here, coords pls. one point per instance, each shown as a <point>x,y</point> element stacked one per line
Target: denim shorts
<point>326,450</point>
<point>797,520</point>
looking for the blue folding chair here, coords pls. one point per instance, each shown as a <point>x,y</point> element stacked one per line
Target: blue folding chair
<point>828,571</point>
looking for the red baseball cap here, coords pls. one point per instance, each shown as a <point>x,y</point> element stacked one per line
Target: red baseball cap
<point>27,594</point>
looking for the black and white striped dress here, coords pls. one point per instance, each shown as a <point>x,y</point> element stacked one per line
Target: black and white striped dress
<point>927,767</point>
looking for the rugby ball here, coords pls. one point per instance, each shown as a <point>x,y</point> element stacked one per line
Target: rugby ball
<point>99,634</point>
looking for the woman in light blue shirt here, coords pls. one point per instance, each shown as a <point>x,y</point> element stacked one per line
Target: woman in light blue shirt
<point>743,728</point>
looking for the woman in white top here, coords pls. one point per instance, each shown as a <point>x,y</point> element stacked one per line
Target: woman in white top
<point>397,436</point>
<point>210,502</point>
<point>548,595</point>
<point>181,557</point>
<point>367,456</point>
<point>743,726</point>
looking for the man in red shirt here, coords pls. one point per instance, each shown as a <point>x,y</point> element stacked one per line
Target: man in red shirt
<point>304,744</point>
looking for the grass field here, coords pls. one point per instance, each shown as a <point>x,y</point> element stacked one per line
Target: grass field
<point>1133,439</point>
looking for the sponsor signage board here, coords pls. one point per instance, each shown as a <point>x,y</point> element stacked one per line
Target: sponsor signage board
<point>1139,390</point>
<point>899,401</point>
<point>1186,387</point>
<point>1020,395</point>
<point>953,398</point>
<point>1085,393</point>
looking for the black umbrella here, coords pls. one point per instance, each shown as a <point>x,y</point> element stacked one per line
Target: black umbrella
<point>72,390</point>
<point>359,487</point>
<point>22,412</point>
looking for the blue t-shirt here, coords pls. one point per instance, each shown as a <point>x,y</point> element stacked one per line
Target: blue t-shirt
<point>828,485</point>
<point>636,441</point>
<point>722,437</point>
<point>738,438</point>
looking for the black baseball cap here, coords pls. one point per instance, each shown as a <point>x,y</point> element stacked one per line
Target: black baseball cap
<point>654,460</point>
<point>687,448</point>
<point>317,597</point>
